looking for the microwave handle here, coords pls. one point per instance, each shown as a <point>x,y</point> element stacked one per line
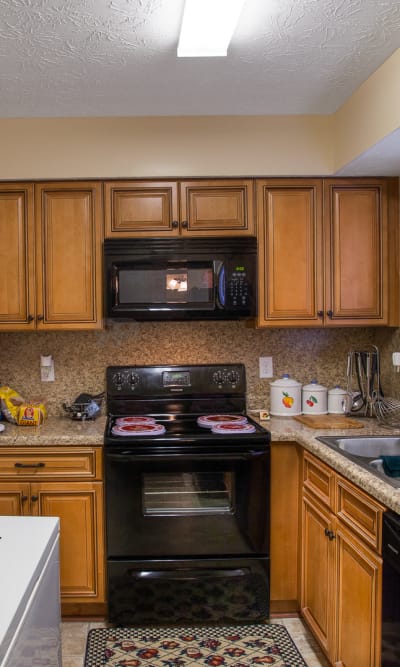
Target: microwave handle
<point>220,271</point>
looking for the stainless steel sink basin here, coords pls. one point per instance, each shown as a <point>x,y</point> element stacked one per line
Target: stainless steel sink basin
<point>366,450</point>
<point>367,446</point>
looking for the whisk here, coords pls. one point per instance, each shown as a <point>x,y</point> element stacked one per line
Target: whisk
<point>387,411</point>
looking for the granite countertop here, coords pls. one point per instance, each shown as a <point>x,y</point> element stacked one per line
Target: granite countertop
<point>64,431</point>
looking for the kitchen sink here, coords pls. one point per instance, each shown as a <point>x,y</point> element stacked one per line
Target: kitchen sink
<point>366,450</point>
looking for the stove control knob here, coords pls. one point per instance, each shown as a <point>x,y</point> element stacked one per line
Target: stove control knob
<point>233,377</point>
<point>218,377</point>
<point>134,380</point>
<point>118,380</point>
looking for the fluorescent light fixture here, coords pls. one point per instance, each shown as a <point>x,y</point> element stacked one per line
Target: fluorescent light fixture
<point>207,27</point>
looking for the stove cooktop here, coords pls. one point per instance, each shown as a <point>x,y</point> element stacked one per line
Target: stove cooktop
<point>180,430</point>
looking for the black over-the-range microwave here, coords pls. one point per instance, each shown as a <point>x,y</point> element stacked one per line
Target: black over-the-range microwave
<point>181,278</point>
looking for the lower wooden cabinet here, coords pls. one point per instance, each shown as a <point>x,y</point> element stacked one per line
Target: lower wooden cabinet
<point>285,527</point>
<point>63,482</point>
<point>341,578</point>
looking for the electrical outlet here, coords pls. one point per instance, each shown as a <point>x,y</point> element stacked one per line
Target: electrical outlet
<point>266,367</point>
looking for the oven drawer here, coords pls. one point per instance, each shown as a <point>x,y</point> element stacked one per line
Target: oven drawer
<point>191,590</point>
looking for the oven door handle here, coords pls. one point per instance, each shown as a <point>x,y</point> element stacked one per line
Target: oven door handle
<point>188,575</point>
<point>129,455</point>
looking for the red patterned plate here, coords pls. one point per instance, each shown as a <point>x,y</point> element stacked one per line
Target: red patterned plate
<point>233,428</point>
<point>138,429</point>
<point>211,420</point>
<point>122,421</point>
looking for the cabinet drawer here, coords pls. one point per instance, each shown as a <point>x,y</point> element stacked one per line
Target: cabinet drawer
<point>61,462</point>
<point>360,513</point>
<point>319,480</point>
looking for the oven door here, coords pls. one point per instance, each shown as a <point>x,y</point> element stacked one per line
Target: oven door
<point>187,505</point>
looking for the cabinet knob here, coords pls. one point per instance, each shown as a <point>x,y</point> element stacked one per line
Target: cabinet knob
<point>40,318</point>
<point>174,224</point>
<point>329,313</point>
<point>24,498</point>
<point>185,224</point>
<point>320,313</point>
<point>330,534</point>
<point>30,318</point>
<point>34,498</point>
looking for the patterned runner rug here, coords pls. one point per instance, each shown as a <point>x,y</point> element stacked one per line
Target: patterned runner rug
<point>226,646</point>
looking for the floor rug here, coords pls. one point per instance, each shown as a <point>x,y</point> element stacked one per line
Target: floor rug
<point>226,646</point>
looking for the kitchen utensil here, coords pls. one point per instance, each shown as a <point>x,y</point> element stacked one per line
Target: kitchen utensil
<point>314,399</point>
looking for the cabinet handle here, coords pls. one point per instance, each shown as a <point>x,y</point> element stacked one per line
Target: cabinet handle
<point>329,313</point>
<point>24,498</point>
<point>34,498</point>
<point>330,534</point>
<point>30,318</point>
<point>174,224</point>
<point>40,318</point>
<point>185,224</point>
<point>29,465</point>
<point>320,313</point>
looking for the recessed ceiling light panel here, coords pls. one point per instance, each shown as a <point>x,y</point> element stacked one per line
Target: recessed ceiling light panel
<point>207,27</point>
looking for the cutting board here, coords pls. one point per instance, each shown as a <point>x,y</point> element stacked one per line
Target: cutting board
<point>328,421</point>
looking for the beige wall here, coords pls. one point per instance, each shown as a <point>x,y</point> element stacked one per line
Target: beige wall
<point>165,147</point>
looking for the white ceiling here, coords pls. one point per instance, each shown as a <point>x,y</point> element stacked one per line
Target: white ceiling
<point>118,58</point>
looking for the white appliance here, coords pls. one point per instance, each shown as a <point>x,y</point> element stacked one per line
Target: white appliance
<point>30,617</point>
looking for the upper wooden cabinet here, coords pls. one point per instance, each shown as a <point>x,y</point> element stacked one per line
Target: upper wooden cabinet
<point>323,252</point>
<point>179,208</point>
<point>52,258</point>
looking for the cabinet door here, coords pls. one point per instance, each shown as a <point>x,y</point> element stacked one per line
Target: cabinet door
<point>215,208</point>
<point>80,508</point>
<point>284,548</point>
<point>14,499</point>
<point>358,610</point>
<point>318,585</point>
<point>289,218</point>
<point>356,229</point>
<point>17,292</point>
<point>141,208</point>
<point>68,255</point>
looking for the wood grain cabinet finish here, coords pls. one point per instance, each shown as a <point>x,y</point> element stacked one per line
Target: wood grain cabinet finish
<point>285,522</point>
<point>341,571</point>
<point>17,256</point>
<point>41,487</point>
<point>323,252</point>
<point>179,208</point>
<point>50,254</point>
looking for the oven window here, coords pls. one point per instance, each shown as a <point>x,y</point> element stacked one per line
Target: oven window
<point>187,493</point>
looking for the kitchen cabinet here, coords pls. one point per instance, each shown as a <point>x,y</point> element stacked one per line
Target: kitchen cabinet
<point>323,252</point>
<point>64,482</point>
<point>51,236</point>
<point>285,523</point>
<point>341,577</point>
<point>179,208</point>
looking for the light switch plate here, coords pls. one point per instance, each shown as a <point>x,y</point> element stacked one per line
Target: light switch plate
<point>266,367</point>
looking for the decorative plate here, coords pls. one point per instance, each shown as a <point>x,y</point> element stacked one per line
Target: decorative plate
<point>211,420</point>
<point>228,427</point>
<point>138,429</point>
<point>122,421</point>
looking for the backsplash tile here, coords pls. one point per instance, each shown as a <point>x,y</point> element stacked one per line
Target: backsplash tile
<point>81,357</point>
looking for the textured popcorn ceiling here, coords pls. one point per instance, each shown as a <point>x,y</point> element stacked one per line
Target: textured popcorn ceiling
<point>118,57</point>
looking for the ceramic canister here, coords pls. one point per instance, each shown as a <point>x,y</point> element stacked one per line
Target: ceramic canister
<point>314,399</point>
<point>336,397</point>
<point>285,397</point>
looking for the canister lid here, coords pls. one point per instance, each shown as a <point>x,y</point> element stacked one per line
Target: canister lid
<point>337,390</point>
<point>314,386</point>
<point>285,381</point>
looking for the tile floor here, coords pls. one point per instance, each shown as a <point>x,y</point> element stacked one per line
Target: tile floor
<point>74,635</point>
